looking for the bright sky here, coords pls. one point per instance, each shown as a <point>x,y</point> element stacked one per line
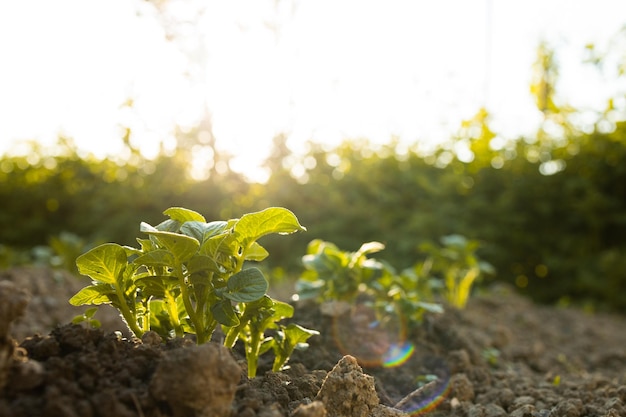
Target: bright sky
<point>333,69</point>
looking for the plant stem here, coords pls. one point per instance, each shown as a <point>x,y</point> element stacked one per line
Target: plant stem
<point>172,310</point>
<point>252,353</point>
<point>128,316</point>
<point>184,292</point>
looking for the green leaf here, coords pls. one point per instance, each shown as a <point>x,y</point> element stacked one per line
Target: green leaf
<point>297,334</point>
<point>202,231</point>
<point>430,307</point>
<point>156,286</point>
<point>246,286</point>
<point>253,226</point>
<point>93,294</point>
<point>282,310</point>
<point>90,312</point>
<point>326,262</point>
<point>183,215</point>
<point>221,245</point>
<point>147,228</point>
<point>224,313</point>
<point>168,225</point>
<point>130,251</point>
<point>222,248</point>
<point>309,289</point>
<point>159,257</point>
<point>78,319</point>
<point>370,247</point>
<point>146,244</point>
<point>267,344</point>
<point>200,263</point>
<point>256,253</point>
<point>160,321</point>
<point>181,246</point>
<point>103,263</point>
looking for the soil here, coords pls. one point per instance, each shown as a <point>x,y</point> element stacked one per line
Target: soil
<point>501,356</point>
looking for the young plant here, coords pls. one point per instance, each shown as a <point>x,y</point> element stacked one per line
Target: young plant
<point>335,275</point>
<point>188,275</point>
<point>409,294</point>
<point>258,317</point>
<point>456,262</point>
<point>87,318</point>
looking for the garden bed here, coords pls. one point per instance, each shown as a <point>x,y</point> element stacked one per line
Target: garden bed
<point>502,356</point>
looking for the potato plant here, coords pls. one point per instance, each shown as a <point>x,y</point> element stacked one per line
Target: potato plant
<point>333,274</point>
<point>455,262</point>
<point>188,277</point>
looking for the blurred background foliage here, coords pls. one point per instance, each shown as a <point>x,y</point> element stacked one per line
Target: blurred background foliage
<point>549,210</point>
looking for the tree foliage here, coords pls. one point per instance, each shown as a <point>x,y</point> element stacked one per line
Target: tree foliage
<point>549,210</point>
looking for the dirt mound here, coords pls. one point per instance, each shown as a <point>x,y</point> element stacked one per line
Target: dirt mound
<point>502,356</point>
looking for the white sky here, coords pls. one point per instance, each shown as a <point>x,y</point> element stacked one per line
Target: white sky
<point>335,69</point>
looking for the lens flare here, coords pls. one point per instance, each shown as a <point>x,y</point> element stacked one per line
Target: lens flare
<point>397,355</point>
<point>371,341</point>
<point>427,397</point>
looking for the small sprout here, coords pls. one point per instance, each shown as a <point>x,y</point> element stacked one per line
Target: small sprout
<point>491,355</point>
<point>456,264</point>
<point>87,318</point>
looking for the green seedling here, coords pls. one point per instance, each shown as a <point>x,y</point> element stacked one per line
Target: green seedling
<point>457,264</point>
<point>257,318</point>
<point>87,318</point>
<point>335,275</point>
<point>491,355</point>
<point>66,247</point>
<point>409,294</point>
<point>188,277</point>
<point>286,340</point>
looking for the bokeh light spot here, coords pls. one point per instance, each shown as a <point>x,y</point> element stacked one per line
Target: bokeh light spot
<point>398,354</point>
<point>372,341</point>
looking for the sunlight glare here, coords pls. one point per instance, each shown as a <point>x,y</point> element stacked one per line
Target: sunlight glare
<point>322,71</point>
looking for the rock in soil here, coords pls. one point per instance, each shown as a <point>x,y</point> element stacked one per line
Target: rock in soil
<point>347,391</point>
<point>199,380</point>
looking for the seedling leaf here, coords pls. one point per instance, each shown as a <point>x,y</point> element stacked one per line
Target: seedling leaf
<point>183,215</point>
<point>246,286</point>
<point>256,253</point>
<point>370,247</point>
<point>224,313</point>
<point>297,334</point>
<point>201,230</point>
<point>103,263</point>
<point>201,263</point>
<point>159,257</point>
<point>253,226</point>
<point>181,246</point>
<point>282,310</point>
<point>156,286</point>
<point>93,294</point>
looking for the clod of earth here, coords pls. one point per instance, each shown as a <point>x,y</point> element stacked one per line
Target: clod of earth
<point>13,302</point>
<point>199,380</point>
<point>348,392</point>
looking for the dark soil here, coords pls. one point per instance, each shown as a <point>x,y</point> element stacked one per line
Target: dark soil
<point>502,356</point>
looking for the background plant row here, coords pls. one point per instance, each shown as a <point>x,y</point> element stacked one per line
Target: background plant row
<point>553,234</point>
